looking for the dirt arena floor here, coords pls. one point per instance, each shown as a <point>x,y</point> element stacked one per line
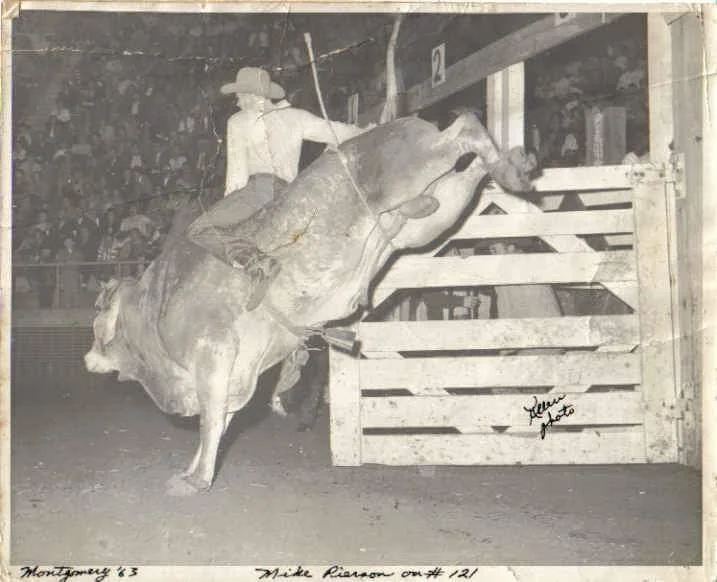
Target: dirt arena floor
<point>90,459</point>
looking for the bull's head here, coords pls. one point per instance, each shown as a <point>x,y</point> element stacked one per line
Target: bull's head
<point>514,170</point>
<point>104,326</point>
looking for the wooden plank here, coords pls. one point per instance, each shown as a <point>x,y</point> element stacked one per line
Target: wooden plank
<point>625,291</point>
<point>517,269</point>
<point>588,447</point>
<point>558,223</point>
<point>496,371</point>
<point>620,240</point>
<point>478,413</point>
<point>596,178</point>
<point>513,48</point>
<point>598,198</point>
<point>345,413</point>
<point>513,204</point>
<point>499,333</point>
<point>693,70</point>
<point>655,289</point>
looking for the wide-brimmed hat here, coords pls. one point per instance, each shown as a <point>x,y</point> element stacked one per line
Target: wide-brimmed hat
<point>254,81</point>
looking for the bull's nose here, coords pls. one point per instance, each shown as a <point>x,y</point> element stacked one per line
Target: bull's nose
<point>94,362</point>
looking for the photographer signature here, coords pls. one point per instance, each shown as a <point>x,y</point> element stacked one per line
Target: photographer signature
<point>542,407</point>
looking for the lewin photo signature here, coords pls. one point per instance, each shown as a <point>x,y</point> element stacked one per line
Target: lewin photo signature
<point>541,408</point>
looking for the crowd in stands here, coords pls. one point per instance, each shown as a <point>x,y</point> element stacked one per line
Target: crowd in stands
<point>130,135</point>
<point>100,181</point>
<point>566,87</point>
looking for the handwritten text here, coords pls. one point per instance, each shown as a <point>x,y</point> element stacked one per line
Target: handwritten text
<point>540,408</point>
<point>65,573</point>
<point>436,573</point>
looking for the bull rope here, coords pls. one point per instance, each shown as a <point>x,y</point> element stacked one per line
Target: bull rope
<point>342,158</point>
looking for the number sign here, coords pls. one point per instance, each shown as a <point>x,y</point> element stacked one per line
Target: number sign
<point>438,65</point>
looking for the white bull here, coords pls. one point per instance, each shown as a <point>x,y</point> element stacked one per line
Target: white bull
<point>194,331</point>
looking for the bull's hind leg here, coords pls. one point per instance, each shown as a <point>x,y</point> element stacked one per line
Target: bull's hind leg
<point>213,369</point>
<point>289,375</point>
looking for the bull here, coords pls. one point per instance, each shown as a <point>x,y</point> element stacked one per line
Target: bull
<point>197,332</point>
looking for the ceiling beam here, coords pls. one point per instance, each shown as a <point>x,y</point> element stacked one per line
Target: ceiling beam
<point>513,48</point>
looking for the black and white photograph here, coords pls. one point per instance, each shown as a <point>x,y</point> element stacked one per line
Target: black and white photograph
<point>309,289</point>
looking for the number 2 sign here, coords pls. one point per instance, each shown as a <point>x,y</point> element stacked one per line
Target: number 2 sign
<point>438,65</point>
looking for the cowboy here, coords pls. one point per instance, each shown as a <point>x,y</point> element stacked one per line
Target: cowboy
<point>264,142</point>
<point>266,138</point>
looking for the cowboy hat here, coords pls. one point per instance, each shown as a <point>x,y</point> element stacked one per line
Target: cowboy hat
<point>254,81</point>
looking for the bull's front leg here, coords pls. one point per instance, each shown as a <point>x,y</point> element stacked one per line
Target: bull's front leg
<point>214,362</point>
<point>195,461</point>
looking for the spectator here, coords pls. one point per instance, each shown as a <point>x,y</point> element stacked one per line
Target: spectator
<point>70,278</point>
<point>551,145</point>
<point>429,304</point>
<point>110,223</point>
<point>87,241</point>
<point>65,227</point>
<point>137,221</point>
<point>107,250</point>
<point>522,301</point>
<point>32,247</point>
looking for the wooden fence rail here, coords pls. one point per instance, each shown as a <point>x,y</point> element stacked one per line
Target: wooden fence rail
<point>461,391</point>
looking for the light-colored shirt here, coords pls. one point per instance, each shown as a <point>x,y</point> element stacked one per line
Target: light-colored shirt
<point>139,221</point>
<point>270,142</point>
<point>521,301</point>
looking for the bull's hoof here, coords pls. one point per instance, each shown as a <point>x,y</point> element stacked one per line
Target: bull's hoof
<point>278,407</point>
<point>182,486</point>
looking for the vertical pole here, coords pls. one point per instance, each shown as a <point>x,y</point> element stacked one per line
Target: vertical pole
<point>688,88</point>
<point>655,301</point>
<point>662,134</point>
<point>709,296</point>
<point>659,70</point>
<point>505,103</point>
<point>345,407</point>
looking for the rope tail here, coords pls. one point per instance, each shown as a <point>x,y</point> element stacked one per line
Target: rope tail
<point>390,107</point>
<point>340,154</point>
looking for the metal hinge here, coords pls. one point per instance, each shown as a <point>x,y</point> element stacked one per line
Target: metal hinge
<point>675,174</point>
<point>678,410</point>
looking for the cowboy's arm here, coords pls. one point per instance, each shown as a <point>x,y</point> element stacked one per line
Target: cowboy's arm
<point>237,174</point>
<point>317,129</point>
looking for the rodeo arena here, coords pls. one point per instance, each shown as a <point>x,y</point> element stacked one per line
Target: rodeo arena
<point>356,288</point>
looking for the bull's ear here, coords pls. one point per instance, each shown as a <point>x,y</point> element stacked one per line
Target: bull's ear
<point>419,207</point>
